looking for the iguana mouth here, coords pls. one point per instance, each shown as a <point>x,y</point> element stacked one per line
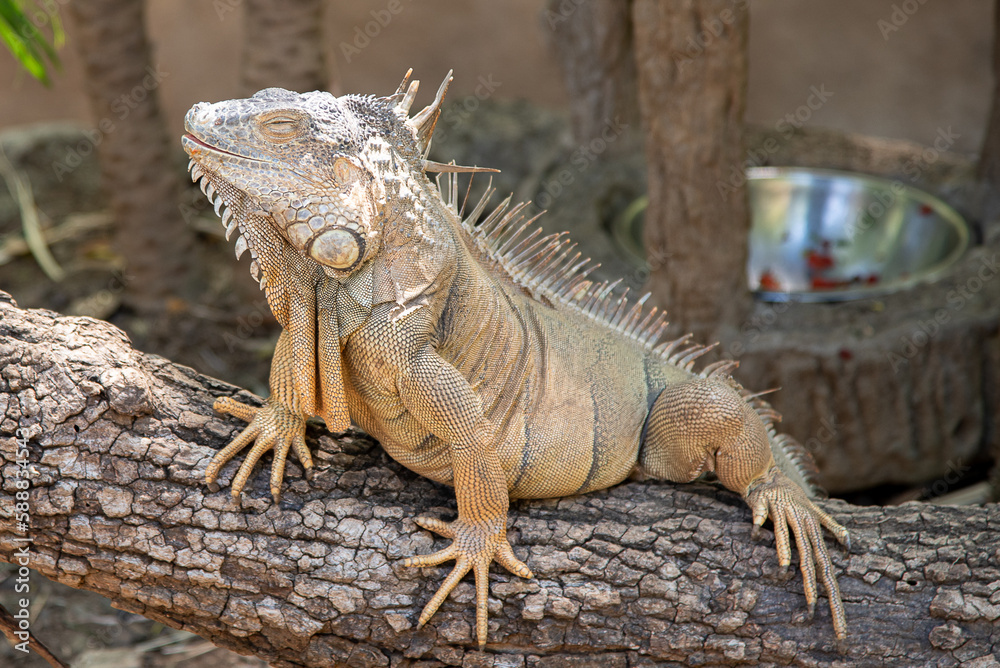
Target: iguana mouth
<point>188,137</point>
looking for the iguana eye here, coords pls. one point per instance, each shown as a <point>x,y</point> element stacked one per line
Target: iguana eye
<point>282,127</point>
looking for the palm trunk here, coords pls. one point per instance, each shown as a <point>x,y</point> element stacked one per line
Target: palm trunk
<point>691,57</point>
<point>282,46</point>
<point>989,158</point>
<point>136,156</point>
<point>593,42</point>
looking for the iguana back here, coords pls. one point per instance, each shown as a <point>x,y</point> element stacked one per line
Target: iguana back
<point>623,362</point>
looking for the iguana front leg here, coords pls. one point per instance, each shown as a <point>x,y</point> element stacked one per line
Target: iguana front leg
<point>479,537</point>
<point>704,425</point>
<point>279,424</point>
<point>305,374</point>
<point>439,397</point>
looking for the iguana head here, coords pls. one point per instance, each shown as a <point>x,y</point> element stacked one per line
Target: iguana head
<point>314,164</point>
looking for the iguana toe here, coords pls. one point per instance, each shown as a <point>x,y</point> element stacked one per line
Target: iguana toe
<point>475,546</point>
<point>505,557</point>
<point>245,438</point>
<point>462,566</point>
<point>265,441</point>
<point>778,498</point>
<point>272,426</point>
<point>235,408</point>
<point>435,525</point>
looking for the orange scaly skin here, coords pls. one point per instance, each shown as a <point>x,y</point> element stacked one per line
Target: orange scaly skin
<point>480,356</point>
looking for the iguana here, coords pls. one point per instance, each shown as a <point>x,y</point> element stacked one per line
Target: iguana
<point>478,353</point>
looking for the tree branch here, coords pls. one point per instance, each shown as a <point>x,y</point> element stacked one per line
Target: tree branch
<point>117,441</point>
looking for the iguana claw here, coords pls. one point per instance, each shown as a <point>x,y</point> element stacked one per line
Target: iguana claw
<point>777,497</point>
<point>473,548</point>
<point>271,426</point>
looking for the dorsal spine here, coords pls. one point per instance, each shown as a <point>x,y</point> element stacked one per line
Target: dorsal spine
<point>549,270</point>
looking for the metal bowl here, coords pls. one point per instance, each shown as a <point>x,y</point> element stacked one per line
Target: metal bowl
<point>823,235</point>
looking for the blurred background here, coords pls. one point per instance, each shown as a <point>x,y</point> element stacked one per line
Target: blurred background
<point>98,217</point>
<point>934,71</point>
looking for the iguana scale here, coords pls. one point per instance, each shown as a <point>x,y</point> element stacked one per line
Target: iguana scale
<point>479,354</point>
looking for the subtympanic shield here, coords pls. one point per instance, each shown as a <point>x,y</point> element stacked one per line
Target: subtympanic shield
<point>337,248</point>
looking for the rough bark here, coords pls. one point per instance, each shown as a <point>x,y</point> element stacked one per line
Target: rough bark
<point>138,170</point>
<point>593,43</point>
<point>691,58</point>
<point>283,46</point>
<point>117,441</point>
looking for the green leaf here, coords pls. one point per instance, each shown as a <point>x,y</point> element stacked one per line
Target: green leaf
<point>27,42</point>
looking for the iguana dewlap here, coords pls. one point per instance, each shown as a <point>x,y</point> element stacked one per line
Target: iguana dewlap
<point>478,354</point>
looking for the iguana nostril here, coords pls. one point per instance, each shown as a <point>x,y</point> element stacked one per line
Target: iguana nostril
<point>337,248</point>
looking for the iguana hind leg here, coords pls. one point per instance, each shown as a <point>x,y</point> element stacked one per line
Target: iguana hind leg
<point>280,424</point>
<point>705,425</point>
